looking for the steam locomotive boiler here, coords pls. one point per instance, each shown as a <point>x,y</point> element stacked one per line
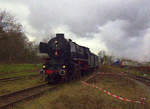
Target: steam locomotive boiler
<point>67,60</point>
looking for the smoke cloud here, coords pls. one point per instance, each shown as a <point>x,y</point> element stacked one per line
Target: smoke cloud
<point>122,28</point>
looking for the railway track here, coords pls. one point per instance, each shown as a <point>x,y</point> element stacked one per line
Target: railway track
<point>144,80</point>
<point>10,99</point>
<point>16,78</point>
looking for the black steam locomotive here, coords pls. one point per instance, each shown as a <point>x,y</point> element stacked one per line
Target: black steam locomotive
<point>67,60</point>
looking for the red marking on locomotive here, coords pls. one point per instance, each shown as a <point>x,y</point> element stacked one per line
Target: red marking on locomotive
<point>48,72</point>
<point>56,53</point>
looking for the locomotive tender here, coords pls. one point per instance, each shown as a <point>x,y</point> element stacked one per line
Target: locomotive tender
<point>67,60</point>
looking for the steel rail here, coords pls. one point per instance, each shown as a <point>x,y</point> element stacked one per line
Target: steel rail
<point>9,99</point>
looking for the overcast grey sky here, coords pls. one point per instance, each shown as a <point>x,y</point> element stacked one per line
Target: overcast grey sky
<point>121,27</point>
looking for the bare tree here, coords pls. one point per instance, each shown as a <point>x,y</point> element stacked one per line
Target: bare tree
<point>14,44</point>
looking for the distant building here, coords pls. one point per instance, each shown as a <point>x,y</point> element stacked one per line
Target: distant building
<point>126,62</point>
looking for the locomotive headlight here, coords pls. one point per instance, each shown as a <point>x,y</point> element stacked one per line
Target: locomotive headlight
<point>44,66</point>
<point>62,72</point>
<point>55,41</point>
<point>63,66</point>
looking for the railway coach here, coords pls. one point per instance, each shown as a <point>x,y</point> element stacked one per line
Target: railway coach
<point>67,60</point>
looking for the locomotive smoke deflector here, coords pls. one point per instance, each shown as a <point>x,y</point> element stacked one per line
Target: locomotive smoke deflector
<point>43,47</point>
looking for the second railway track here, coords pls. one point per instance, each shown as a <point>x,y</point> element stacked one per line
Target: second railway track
<point>17,78</point>
<point>144,80</point>
<point>10,99</point>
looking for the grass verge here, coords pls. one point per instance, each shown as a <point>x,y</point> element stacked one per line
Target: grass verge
<point>116,69</point>
<point>76,96</point>
<point>15,70</point>
<point>12,86</point>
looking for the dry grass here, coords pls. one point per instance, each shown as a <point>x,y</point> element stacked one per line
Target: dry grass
<point>17,70</point>
<point>121,86</point>
<point>76,96</point>
<point>11,86</point>
<point>117,69</point>
<point>112,69</point>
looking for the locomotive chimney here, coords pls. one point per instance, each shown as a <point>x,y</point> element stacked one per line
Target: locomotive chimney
<point>60,35</point>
